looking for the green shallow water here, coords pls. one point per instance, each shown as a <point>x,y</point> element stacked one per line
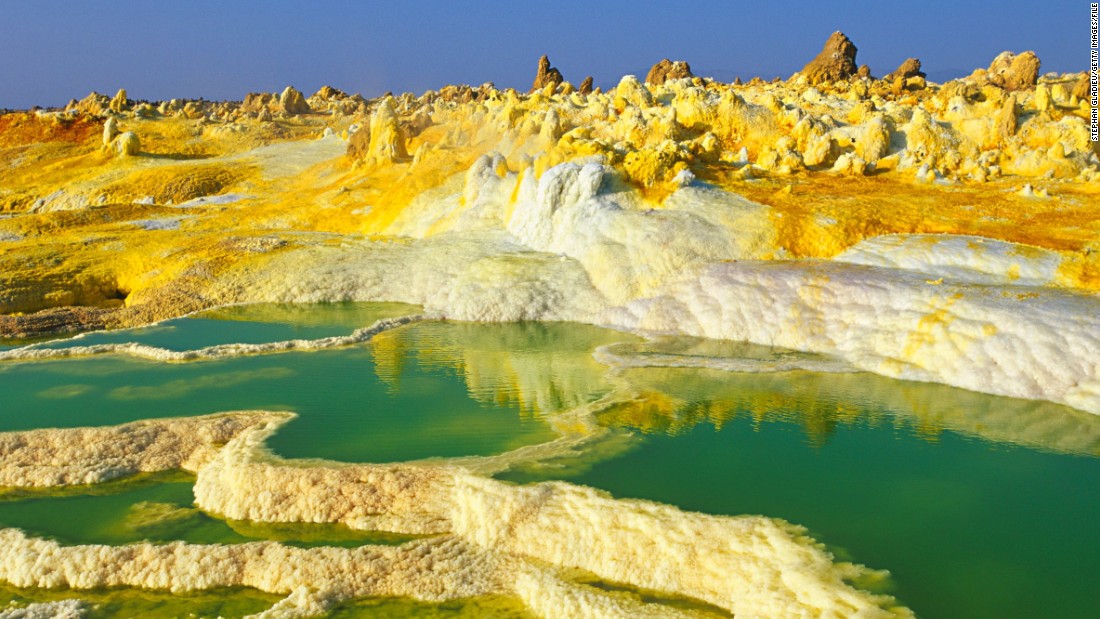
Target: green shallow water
<point>238,602</point>
<point>979,506</point>
<point>968,527</point>
<point>377,402</point>
<point>158,508</point>
<point>131,603</point>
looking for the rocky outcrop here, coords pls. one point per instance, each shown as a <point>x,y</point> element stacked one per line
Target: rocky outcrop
<point>120,103</point>
<point>94,104</point>
<point>121,144</point>
<point>586,86</point>
<point>110,131</point>
<point>293,102</point>
<point>546,75</point>
<point>1012,71</point>
<point>668,70</point>
<point>909,68</point>
<point>1081,88</point>
<point>359,143</point>
<point>328,93</point>
<point>387,140</point>
<point>1007,118</point>
<point>127,144</point>
<point>55,320</point>
<point>255,102</point>
<point>290,102</point>
<point>837,61</point>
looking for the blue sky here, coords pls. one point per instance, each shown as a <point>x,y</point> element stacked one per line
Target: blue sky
<point>56,50</point>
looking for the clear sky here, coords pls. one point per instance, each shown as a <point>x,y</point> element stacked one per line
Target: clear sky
<point>52,50</point>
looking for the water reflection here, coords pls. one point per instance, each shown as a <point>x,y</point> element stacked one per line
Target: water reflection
<point>673,400</point>
<point>539,368</point>
<point>543,368</point>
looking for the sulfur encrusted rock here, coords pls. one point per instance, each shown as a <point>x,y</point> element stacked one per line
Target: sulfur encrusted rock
<point>909,68</point>
<point>546,75</point>
<point>1014,71</point>
<point>387,140</point>
<point>127,144</point>
<point>837,61</point>
<point>1007,117</point>
<point>668,70</point>
<point>293,102</point>
<point>120,103</point>
<point>110,130</point>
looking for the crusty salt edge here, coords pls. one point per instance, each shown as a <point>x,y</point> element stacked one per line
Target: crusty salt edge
<point>1021,342</point>
<point>75,456</point>
<point>219,351</point>
<point>490,536</point>
<point>60,609</point>
<point>620,355</point>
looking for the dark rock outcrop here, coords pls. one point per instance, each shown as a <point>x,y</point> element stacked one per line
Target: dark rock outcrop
<point>1007,117</point>
<point>586,86</point>
<point>1014,71</point>
<point>1081,89</point>
<point>55,320</point>
<point>837,61</point>
<point>359,143</point>
<point>909,68</point>
<point>668,70</point>
<point>546,75</point>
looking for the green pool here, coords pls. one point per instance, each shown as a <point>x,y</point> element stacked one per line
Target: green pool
<point>979,506</point>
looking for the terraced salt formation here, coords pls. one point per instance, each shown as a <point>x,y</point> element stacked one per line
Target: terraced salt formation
<point>551,524</point>
<point>488,537</point>
<point>944,233</point>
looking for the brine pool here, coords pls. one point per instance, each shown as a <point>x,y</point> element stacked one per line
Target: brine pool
<point>979,506</point>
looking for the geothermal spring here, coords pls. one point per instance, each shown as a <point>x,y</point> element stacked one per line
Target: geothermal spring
<point>823,347</point>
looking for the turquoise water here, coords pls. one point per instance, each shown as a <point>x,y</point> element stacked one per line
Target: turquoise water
<point>158,509</point>
<point>979,506</point>
<point>365,403</point>
<point>968,527</point>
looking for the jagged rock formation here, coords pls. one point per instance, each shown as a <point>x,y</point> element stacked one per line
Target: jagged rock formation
<point>120,103</point>
<point>586,86</point>
<point>293,102</point>
<point>254,102</point>
<point>387,139</point>
<point>328,93</point>
<point>546,75</point>
<point>835,62</point>
<point>909,68</point>
<point>668,70</point>
<point>359,142</point>
<point>127,144</point>
<point>1011,71</point>
<point>1081,88</point>
<point>110,131</point>
<point>290,102</point>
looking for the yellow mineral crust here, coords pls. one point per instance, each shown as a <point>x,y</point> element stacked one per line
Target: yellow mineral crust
<point>488,204</point>
<point>539,543</point>
<point>491,538</point>
<point>42,458</point>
